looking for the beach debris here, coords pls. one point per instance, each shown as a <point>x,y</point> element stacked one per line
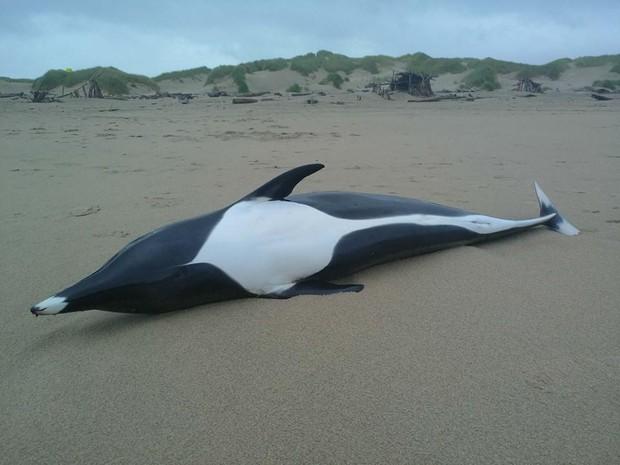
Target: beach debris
<point>412,83</point>
<point>115,233</point>
<point>217,93</point>
<point>430,99</point>
<point>527,85</point>
<point>238,100</point>
<point>13,95</point>
<point>383,90</point>
<point>85,211</point>
<point>254,94</point>
<point>40,96</point>
<point>312,101</point>
<point>94,91</point>
<point>300,94</point>
<point>43,96</point>
<point>600,97</point>
<point>467,98</point>
<point>184,98</point>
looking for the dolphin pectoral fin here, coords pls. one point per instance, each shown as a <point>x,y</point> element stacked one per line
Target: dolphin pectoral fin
<point>315,288</point>
<point>281,186</point>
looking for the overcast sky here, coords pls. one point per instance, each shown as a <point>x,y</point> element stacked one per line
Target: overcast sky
<point>150,37</point>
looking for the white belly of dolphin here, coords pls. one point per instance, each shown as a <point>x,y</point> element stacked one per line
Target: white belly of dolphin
<point>267,246</point>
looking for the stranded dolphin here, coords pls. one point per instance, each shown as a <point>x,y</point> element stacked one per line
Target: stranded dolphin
<point>277,245</point>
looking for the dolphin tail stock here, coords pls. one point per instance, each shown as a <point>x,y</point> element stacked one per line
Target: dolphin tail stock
<point>558,222</point>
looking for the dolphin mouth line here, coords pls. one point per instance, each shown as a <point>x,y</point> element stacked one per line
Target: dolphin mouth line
<point>50,306</point>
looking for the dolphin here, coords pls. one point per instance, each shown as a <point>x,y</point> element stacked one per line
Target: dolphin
<point>277,245</point>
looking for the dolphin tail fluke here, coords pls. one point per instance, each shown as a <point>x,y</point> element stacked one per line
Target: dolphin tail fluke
<point>558,222</point>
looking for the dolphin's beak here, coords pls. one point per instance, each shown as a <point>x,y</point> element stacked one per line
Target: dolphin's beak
<point>50,306</point>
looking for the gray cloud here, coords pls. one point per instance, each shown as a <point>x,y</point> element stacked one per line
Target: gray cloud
<point>156,36</point>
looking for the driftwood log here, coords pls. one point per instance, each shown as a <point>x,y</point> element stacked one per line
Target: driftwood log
<point>13,94</point>
<point>429,99</point>
<point>601,97</point>
<point>238,100</point>
<point>255,94</point>
<point>466,98</point>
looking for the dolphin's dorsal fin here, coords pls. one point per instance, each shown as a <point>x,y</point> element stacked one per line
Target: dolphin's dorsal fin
<point>281,186</point>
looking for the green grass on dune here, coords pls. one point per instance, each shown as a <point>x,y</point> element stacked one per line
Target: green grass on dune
<point>219,72</point>
<point>607,83</point>
<point>481,73</point>
<point>274,64</point>
<point>303,64</point>
<point>336,62</point>
<point>553,70</point>
<point>334,79</point>
<point>237,73</point>
<point>601,60</point>
<point>112,81</point>
<point>484,71</point>
<point>482,77</point>
<point>183,74</point>
<point>422,63</point>
<point>16,80</point>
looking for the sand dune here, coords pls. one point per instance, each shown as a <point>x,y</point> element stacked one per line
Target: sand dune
<point>506,352</point>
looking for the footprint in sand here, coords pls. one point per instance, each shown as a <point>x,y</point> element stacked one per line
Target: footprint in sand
<point>162,202</point>
<point>77,212</point>
<point>118,233</point>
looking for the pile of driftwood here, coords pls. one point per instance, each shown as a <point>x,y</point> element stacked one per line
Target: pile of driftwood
<point>94,91</point>
<point>527,85</point>
<point>412,83</point>
<point>36,96</point>
<point>40,96</point>
<point>381,89</point>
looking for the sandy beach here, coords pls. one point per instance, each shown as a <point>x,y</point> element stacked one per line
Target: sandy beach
<point>507,352</point>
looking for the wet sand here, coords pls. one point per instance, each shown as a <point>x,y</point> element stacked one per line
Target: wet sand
<point>506,352</point>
